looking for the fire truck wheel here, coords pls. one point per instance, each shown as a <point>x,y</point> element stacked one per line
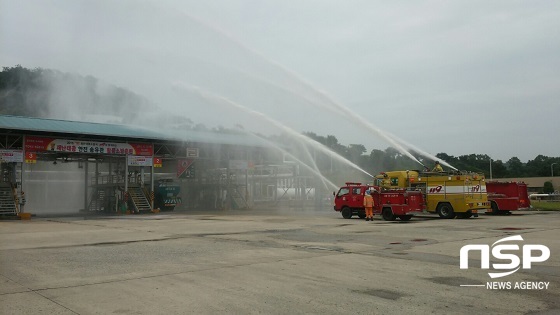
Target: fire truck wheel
<point>405,217</point>
<point>362,215</point>
<point>346,213</point>
<point>495,209</point>
<point>388,214</point>
<point>445,211</point>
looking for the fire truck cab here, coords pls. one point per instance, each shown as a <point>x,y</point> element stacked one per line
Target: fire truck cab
<point>389,203</point>
<point>450,195</point>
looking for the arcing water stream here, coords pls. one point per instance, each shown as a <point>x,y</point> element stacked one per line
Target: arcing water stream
<point>416,149</point>
<point>224,101</point>
<point>324,100</point>
<point>328,184</point>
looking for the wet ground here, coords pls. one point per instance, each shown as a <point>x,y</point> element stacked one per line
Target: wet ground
<point>271,262</point>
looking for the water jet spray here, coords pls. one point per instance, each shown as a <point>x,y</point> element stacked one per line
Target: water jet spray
<point>222,100</point>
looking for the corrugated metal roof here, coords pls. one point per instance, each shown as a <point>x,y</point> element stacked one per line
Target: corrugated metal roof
<point>31,124</point>
<point>72,127</point>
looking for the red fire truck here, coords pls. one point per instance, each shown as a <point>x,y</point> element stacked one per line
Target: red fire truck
<point>507,196</point>
<point>389,203</point>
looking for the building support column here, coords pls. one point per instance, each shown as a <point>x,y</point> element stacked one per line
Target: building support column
<point>86,170</point>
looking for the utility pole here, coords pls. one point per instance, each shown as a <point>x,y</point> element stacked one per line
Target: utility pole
<point>552,169</point>
<point>490,168</point>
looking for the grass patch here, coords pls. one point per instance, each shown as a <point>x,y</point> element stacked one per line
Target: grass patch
<point>550,205</point>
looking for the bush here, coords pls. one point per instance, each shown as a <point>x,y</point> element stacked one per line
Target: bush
<point>548,188</point>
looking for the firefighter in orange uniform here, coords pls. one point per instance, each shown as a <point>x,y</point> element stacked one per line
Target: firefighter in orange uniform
<point>368,205</point>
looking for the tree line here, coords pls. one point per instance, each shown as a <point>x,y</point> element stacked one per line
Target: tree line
<point>391,159</point>
<point>46,93</point>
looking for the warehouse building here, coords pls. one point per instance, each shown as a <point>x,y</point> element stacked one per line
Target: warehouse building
<point>56,166</point>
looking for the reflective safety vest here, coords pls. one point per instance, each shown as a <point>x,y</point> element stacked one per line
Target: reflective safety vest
<point>368,201</point>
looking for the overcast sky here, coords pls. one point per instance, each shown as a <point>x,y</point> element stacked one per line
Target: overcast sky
<point>458,77</point>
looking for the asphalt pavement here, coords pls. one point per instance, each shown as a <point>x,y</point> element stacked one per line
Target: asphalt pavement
<point>271,261</point>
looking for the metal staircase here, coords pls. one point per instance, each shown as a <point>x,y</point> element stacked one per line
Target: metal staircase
<point>138,199</point>
<point>98,200</point>
<point>8,203</point>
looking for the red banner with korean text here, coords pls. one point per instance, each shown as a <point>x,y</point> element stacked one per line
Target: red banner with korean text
<point>40,144</point>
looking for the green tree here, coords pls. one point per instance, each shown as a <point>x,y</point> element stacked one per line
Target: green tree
<point>22,92</point>
<point>446,157</point>
<point>499,170</point>
<point>548,188</point>
<point>515,167</point>
<point>540,166</point>
<point>46,93</point>
<point>355,151</point>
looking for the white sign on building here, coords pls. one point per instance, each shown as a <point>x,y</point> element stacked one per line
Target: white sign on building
<point>11,156</point>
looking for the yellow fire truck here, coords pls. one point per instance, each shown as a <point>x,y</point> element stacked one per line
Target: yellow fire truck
<point>449,194</point>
